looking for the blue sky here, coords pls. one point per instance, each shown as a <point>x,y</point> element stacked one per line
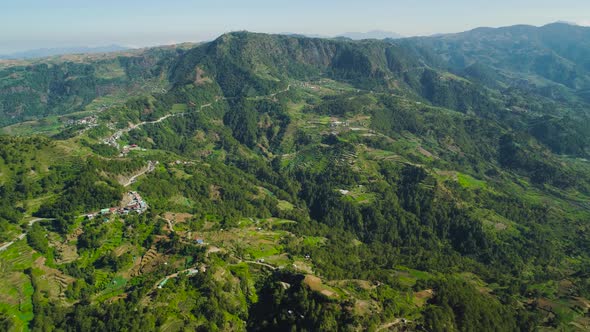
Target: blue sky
<point>27,24</point>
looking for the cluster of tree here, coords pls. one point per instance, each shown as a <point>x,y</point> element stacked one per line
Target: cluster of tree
<point>458,306</point>
<point>514,153</point>
<point>455,93</point>
<point>219,190</point>
<point>255,122</point>
<point>104,150</point>
<point>20,158</point>
<point>212,307</point>
<point>295,307</point>
<point>346,104</point>
<point>86,191</point>
<point>37,238</point>
<point>112,262</point>
<point>411,223</point>
<point>563,135</point>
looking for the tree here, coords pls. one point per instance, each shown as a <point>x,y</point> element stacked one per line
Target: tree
<point>37,238</point>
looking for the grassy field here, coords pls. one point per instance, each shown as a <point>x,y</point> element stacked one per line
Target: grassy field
<point>469,182</point>
<point>114,287</point>
<point>179,108</point>
<point>285,206</point>
<point>46,126</point>
<point>314,241</point>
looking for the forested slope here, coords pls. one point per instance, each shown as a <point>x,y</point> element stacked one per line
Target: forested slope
<point>304,184</point>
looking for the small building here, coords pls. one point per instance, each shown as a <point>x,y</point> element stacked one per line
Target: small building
<point>200,241</point>
<point>162,283</point>
<point>105,211</point>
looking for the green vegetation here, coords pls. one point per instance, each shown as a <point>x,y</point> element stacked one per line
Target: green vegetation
<point>288,183</point>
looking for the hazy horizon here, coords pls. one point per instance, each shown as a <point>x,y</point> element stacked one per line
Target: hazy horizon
<point>34,24</point>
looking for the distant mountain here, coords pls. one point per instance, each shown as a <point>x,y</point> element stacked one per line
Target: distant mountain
<point>551,63</point>
<point>557,53</point>
<point>308,35</point>
<point>374,34</point>
<point>46,52</point>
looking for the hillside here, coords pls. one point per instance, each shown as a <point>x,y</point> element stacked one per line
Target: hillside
<point>534,70</point>
<point>287,183</point>
<point>554,54</point>
<point>36,89</point>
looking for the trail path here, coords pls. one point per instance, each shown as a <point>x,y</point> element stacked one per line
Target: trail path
<point>170,225</point>
<point>150,168</point>
<point>262,264</point>
<point>23,235</point>
<point>397,321</point>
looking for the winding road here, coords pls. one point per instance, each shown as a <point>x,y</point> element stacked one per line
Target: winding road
<point>112,140</point>
<point>189,272</point>
<point>150,168</point>
<point>21,236</point>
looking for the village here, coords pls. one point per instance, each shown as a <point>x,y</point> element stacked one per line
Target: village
<point>90,121</point>
<point>112,140</point>
<point>132,202</point>
<point>128,148</point>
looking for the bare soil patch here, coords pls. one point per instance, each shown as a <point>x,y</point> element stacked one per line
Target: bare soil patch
<point>176,217</point>
<point>420,298</point>
<point>315,284</point>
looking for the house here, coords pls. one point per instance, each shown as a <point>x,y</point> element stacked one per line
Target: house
<point>162,283</point>
<point>105,211</point>
<point>200,241</point>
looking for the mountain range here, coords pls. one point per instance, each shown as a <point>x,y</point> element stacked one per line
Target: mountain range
<point>47,52</point>
<point>280,182</point>
<point>373,34</point>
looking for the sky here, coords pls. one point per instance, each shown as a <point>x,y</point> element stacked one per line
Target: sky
<point>31,24</point>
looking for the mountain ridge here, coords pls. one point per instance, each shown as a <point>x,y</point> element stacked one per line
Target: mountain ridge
<point>48,52</point>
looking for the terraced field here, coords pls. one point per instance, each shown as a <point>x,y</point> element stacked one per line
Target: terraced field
<point>16,288</point>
